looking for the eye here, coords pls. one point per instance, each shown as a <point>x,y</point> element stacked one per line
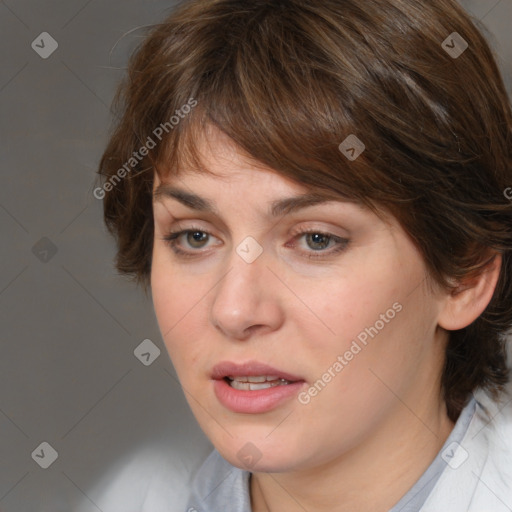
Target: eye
<point>193,238</point>
<point>317,242</point>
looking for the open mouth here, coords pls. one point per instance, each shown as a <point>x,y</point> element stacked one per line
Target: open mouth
<point>253,387</point>
<point>255,383</point>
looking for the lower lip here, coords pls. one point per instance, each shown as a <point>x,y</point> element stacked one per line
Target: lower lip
<point>254,402</point>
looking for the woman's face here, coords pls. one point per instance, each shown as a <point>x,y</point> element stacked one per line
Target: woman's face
<point>341,313</point>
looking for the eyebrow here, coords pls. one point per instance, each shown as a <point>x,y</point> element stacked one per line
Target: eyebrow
<point>277,208</point>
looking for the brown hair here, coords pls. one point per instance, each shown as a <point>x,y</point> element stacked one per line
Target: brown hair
<point>288,81</point>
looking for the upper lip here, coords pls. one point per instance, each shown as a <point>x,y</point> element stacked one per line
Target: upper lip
<point>249,369</point>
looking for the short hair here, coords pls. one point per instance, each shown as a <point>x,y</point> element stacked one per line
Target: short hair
<point>288,81</point>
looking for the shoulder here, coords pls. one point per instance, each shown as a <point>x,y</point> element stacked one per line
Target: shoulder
<point>497,413</point>
<point>218,485</point>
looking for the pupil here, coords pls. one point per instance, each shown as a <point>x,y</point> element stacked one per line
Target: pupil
<point>196,237</point>
<point>320,239</point>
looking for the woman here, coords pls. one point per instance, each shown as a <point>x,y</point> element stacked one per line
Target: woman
<point>314,192</point>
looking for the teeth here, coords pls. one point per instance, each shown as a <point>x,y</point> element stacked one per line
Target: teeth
<point>255,386</point>
<point>259,378</point>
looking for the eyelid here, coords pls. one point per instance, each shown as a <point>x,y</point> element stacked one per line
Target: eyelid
<point>312,227</point>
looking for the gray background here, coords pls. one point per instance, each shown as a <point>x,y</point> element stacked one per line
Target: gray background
<point>70,325</point>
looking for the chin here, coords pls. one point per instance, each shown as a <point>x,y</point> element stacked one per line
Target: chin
<point>264,457</point>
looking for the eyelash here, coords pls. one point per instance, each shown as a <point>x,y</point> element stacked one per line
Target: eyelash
<point>341,243</point>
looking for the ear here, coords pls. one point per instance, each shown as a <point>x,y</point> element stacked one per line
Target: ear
<point>468,301</point>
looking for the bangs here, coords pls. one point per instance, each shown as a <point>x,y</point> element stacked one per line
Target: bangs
<point>184,152</point>
<point>281,108</point>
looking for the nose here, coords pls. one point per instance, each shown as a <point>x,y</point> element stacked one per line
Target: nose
<point>246,300</point>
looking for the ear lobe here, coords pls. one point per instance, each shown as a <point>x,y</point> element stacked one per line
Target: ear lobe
<point>468,301</point>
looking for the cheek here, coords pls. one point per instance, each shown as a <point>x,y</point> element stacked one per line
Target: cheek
<point>368,320</point>
<point>351,381</point>
<point>342,310</point>
<point>179,310</point>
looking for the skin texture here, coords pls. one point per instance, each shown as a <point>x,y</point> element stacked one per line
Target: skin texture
<point>361,442</point>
